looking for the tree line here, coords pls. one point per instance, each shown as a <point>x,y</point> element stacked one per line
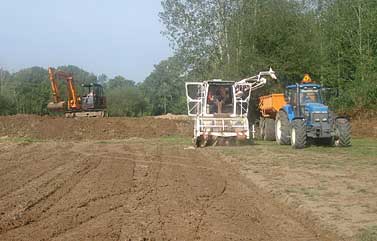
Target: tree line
<point>335,41</point>
<point>28,91</point>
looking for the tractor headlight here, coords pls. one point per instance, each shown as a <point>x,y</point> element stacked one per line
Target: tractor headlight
<point>320,116</point>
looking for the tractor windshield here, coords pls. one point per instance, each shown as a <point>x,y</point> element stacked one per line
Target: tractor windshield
<point>310,96</point>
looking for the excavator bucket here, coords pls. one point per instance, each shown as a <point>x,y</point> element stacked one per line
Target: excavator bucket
<point>58,107</point>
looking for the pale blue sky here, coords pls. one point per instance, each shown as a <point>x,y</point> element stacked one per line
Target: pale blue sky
<point>115,37</point>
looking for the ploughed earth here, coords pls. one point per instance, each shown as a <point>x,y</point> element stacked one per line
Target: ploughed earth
<point>140,179</point>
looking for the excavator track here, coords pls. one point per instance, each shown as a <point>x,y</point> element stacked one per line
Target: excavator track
<point>86,114</point>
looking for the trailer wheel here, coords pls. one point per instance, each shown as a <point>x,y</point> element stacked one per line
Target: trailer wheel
<point>298,134</point>
<point>282,129</point>
<point>343,132</point>
<point>269,129</point>
<point>261,128</point>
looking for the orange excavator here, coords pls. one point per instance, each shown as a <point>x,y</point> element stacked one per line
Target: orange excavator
<point>91,104</point>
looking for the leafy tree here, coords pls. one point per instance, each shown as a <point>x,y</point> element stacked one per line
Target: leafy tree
<point>80,76</point>
<point>7,106</point>
<point>125,98</point>
<point>126,101</point>
<point>350,49</point>
<point>164,87</point>
<point>102,79</point>
<point>32,90</point>
<point>119,82</point>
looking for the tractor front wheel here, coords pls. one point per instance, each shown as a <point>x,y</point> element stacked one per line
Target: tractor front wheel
<point>343,132</point>
<point>298,134</point>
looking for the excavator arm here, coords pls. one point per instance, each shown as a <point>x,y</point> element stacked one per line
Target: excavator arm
<point>73,99</point>
<point>54,86</point>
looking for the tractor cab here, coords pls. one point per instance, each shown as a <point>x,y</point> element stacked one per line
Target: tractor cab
<point>304,94</point>
<point>306,101</point>
<point>93,97</point>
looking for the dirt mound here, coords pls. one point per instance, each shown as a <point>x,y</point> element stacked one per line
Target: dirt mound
<point>173,117</point>
<point>59,128</point>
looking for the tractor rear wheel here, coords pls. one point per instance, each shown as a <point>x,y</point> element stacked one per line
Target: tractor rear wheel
<point>282,129</point>
<point>269,129</point>
<point>343,132</point>
<point>298,134</point>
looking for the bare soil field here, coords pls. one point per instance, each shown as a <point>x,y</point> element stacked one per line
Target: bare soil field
<point>336,186</point>
<point>138,179</point>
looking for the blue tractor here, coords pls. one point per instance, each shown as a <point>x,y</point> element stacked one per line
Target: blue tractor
<point>306,119</point>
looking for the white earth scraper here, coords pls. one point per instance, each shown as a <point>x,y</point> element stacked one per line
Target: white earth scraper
<point>220,109</point>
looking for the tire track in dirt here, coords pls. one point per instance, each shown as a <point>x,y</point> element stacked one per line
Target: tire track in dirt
<point>17,187</point>
<point>205,208</point>
<point>75,210</point>
<point>145,190</point>
<point>145,180</point>
<point>22,168</point>
<point>156,160</point>
<point>49,192</point>
<point>156,196</point>
<point>272,220</point>
<point>12,159</point>
<point>204,205</point>
<point>63,232</point>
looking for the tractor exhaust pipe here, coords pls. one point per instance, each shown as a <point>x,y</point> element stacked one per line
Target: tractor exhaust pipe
<point>298,104</point>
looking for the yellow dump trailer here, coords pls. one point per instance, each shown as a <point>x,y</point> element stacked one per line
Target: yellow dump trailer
<point>269,106</point>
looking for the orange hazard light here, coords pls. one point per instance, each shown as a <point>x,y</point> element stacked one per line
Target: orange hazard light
<point>307,79</point>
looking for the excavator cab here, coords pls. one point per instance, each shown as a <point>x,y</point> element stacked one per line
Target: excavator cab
<point>93,97</point>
